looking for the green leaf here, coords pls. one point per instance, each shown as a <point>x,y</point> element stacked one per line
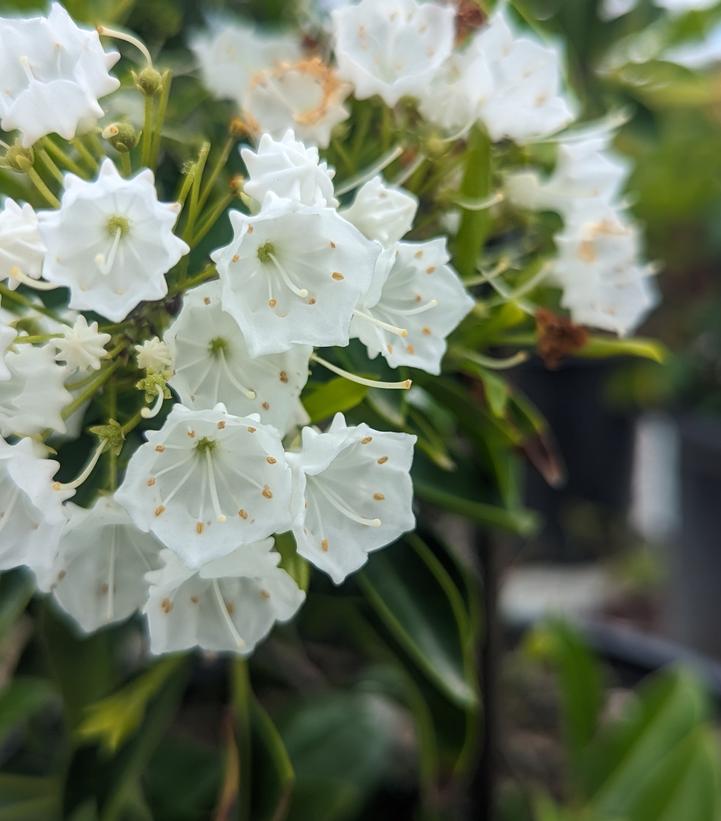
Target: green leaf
<point>22,699</point>
<point>28,798</point>
<point>599,347</point>
<point>273,766</point>
<point>335,396</point>
<point>427,617</point>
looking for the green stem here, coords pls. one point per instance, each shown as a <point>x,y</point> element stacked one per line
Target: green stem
<point>126,167</point>
<point>160,119</point>
<point>213,216</point>
<point>112,456</point>
<point>218,166</point>
<point>21,299</point>
<point>476,185</point>
<point>63,158</point>
<point>207,273</point>
<point>133,422</point>
<point>37,338</point>
<point>52,168</point>
<point>85,155</point>
<point>147,138</point>
<point>241,695</point>
<point>91,390</point>
<point>42,188</point>
<point>194,207</point>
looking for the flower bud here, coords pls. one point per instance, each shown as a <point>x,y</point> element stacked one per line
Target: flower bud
<point>122,136</point>
<point>19,158</point>
<point>149,81</point>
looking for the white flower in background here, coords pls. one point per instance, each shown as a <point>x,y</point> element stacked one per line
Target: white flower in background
<point>525,101</point>
<point>612,9</point>
<point>352,494</point>
<point>53,74</point>
<point>698,54</point>
<point>111,242</point>
<point>207,482</point>
<point>82,346</point>
<point>605,284</point>
<point>99,571</point>
<point>306,96</point>
<point>21,248</point>
<point>35,395</point>
<point>154,356</point>
<point>682,6</point>
<point>231,52</point>
<point>290,170</point>
<point>453,98</point>
<point>228,605</point>
<point>392,48</point>
<point>293,275</point>
<point>588,178</point>
<point>212,364</point>
<point>8,335</point>
<point>382,212</point>
<point>31,513</point>
<point>421,301</point>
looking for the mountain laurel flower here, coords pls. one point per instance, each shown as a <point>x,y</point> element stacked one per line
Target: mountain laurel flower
<point>587,179</point>
<point>382,212</point>
<point>290,170</point>
<point>293,275</point>
<point>8,334</point>
<point>227,605</point>
<point>22,251</point>
<point>411,312</point>
<point>111,242</point>
<point>525,101</point>
<point>212,364</point>
<point>32,400</point>
<point>352,494</point>
<point>307,96</point>
<point>392,48</point>
<point>99,571</point>
<point>53,74</point>
<point>82,346</point>
<point>231,52</point>
<point>207,482</point>
<point>605,284</point>
<point>154,356</point>
<point>31,512</point>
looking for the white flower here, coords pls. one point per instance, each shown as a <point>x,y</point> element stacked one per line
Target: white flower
<point>698,54</point>
<point>290,170</point>
<point>212,364</point>
<point>682,6</point>
<point>35,395</point>
<point>53,74</point>
<point>525,100</point>
<point>453,98</point>
<point>231,52</point>
<point>99,572</point>
<point>392,48</point>
<point>111,242</point>
<point>293,275</point>
<point>421,296</point>
<point>588,178</point>
<point>31,513</point>
<point>82,346</point>
<point>306,96</point>
<point>8,335</point>
<point>382,212</point>
<point>154,356</point>
<point>352,494</point>
<point>21,247</point>
<point>228,605</point>
<point>612,9</point>
<point>599,267</point>
<point>207,482</point>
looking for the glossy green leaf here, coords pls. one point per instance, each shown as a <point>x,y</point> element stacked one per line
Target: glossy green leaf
<point>428,618</point>
<point>335,396</point>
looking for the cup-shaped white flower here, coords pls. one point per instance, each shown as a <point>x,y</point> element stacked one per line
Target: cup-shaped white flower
<point>208,481</point>
<point>293,275</point>
<point>306,96</point>
<point>392,48</point>
<point>421,301</point>
<point>231,52</point>
<point>599,266</point>
<point>525,100</point>
<point>31,513</point>
<point>22,251</point>
<point>35,395</point>
<point>212,364</point>
<point>290,170</point>
<point>352,494</point>
<point>82,346</point>
<point>99,571</point>
<point>53,74</point>
<point>382,212</point>
<point>228,605</point>
<point>111,242</point>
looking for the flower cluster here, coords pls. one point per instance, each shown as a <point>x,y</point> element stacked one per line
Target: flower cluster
<point>215,368</point>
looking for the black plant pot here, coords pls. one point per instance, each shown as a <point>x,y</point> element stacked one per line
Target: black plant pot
<point>695,573</point>
<point>596,445</point>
